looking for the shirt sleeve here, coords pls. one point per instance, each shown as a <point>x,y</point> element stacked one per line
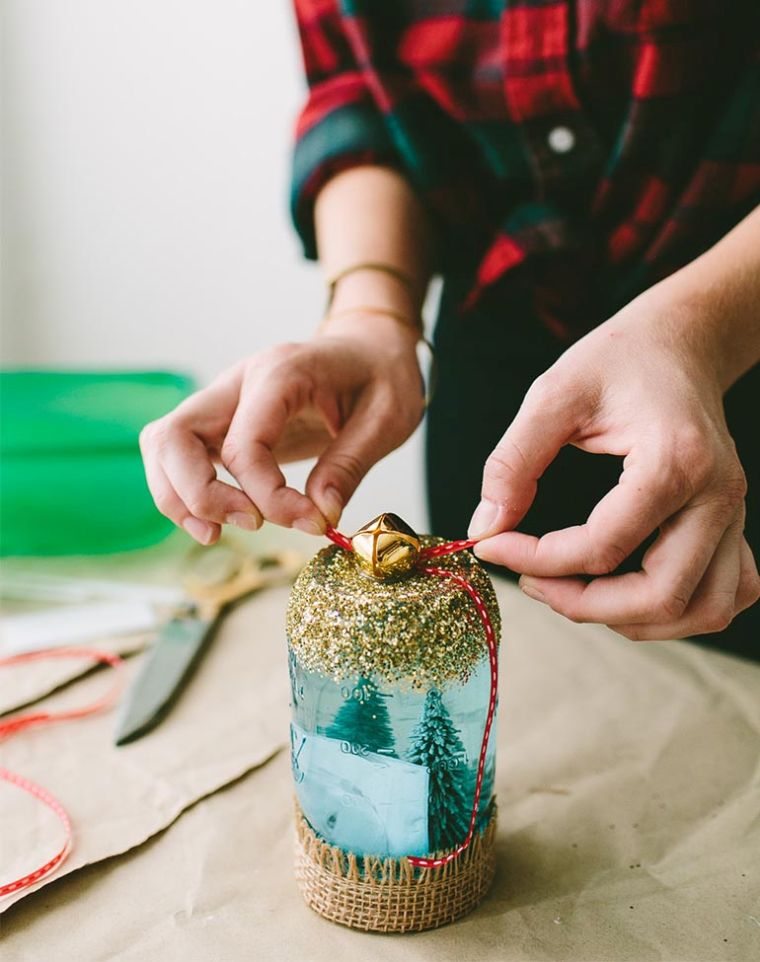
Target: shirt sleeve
<point>339,126</point>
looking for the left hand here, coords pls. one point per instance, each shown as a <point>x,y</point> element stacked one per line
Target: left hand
<point>646,386</point>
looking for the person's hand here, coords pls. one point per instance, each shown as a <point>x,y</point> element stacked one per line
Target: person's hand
<point>348,396</point>
<point>646,385</point>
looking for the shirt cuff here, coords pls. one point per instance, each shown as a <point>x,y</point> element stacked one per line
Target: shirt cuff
<point>353,135</point>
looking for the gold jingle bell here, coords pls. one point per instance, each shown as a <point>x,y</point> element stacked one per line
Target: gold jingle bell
<point>386,547</point>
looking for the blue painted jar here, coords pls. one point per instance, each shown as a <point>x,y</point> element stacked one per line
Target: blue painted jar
<point>390,682</point>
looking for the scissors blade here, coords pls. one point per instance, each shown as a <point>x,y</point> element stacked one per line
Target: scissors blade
<point>163,675</point>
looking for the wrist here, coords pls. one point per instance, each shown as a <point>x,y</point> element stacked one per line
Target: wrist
<point>714,301</point>
<point>729,334</point>
<point>369,324</point>
<point>703,325</point>
<point>378,285</point>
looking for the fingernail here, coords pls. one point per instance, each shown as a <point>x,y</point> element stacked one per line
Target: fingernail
<point>483,522</point>
<point>529,589</point>
<point>307,526</point>
<point>199,530</point>
<point>480,550</point>
<point>331,504</point>
<point>244,520</point>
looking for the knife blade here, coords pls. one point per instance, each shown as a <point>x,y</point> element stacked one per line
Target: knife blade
<point>164,674</point>
<point>222,579</point>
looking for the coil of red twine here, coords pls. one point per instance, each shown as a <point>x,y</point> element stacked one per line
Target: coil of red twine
<point>17,723</point>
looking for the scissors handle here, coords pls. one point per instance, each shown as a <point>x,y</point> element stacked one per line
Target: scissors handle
<point>252,574</point>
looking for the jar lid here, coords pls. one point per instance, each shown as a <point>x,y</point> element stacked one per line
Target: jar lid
<point>419,630</point>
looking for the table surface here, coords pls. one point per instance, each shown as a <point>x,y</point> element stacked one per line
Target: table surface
<point>629,829</point>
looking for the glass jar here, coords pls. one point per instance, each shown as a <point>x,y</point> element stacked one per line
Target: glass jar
<point>381,769</point>
<point>390,690</point>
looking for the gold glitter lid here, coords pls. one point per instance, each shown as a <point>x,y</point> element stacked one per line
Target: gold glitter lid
<point>419,630</point>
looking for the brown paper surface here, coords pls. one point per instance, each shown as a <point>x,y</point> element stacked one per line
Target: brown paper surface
<point>629,794</point>
<point>231,717</point>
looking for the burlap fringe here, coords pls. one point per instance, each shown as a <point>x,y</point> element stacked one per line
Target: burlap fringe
<point>390,895</point>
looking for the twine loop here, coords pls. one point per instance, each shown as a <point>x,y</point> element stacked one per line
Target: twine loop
<point>426,554</point>
<point>16,723</point>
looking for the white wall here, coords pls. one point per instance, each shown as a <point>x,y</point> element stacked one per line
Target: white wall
<point>145,194</point>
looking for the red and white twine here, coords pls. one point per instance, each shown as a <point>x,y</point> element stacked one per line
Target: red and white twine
<point>436,551</point>
<point>16,723</point>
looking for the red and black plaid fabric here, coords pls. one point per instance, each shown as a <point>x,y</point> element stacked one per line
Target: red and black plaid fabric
<point>590,146</point>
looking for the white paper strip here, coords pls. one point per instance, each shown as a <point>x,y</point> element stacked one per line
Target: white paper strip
<point>74,624</point>
<point>26,586</point>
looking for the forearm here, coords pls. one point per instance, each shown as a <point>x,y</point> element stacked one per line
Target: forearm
<point>371,214</point>
<point>720,296</point>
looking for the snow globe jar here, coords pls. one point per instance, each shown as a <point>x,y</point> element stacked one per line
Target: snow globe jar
<point>393,671</point>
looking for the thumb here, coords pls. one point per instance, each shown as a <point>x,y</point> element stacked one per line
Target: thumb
<point>545,422</point>
<point>365,438</point>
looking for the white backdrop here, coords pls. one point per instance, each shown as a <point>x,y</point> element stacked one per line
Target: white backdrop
<point>145,224</point>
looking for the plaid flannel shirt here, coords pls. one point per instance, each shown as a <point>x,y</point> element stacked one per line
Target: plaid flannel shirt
<point>591,147</point>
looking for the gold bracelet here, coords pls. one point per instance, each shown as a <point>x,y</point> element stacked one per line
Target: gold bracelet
<point>389,269</point>
<point>380,311</point>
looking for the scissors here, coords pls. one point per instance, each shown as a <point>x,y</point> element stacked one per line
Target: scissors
<point>220,577</point>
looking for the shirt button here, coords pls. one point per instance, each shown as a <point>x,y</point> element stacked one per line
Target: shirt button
<point>561,140</point>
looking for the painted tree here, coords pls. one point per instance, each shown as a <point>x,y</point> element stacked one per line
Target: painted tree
<point>363,720</point>
<point>435,743</point>
<point>486,789</point>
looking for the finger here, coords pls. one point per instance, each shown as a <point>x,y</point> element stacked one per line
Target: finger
<point>658,594</point>
<point>645,496</point>
<point>186,463</point>
<point>208,412</point>
<point>171,505</point>
<point>247,452</point>
<point>713,604</point>
<point>749,581</point>
<point>545,422</point>
<point>367,436</point>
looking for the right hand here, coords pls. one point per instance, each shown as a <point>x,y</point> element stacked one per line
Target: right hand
<point>349,396</point>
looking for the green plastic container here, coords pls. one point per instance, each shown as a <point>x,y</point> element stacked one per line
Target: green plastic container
<point>71,476</point>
